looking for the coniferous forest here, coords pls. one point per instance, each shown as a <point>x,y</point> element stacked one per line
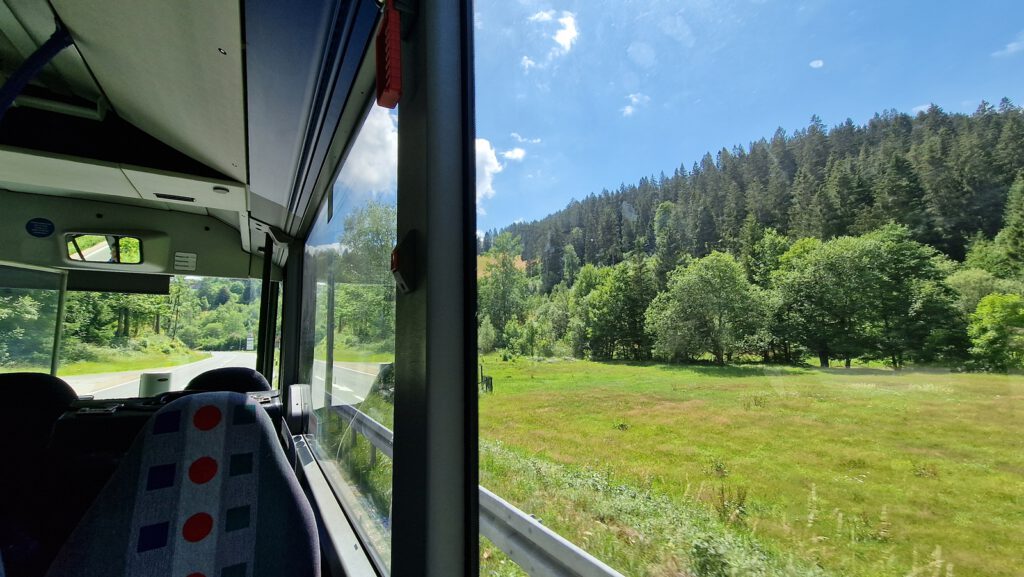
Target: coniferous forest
<point>901,240</point>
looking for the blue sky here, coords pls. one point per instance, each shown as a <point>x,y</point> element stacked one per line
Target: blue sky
<point>577,96</point>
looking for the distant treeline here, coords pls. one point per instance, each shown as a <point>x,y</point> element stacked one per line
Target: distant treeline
<point>944,176</point>
<point>892,241</point>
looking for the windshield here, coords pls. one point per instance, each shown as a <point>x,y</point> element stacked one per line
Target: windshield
<point>113,342</point>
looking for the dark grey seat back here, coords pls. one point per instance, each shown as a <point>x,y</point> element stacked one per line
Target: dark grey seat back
<point>237,379</point>
<point>30,404</point>
<point>204,490</point>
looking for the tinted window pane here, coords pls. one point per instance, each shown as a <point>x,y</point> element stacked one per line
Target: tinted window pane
<point>28,318</point>
<point>349,341</point>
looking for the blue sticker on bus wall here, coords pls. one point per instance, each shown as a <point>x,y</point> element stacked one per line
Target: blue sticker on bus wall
<point>40,227</point>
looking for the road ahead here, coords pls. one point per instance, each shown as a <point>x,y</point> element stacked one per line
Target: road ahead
<point>126,384</point>
<point>351,381</point>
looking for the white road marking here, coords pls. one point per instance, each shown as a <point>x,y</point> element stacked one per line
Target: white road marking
<point>355,371</point>
<point>124,384</point>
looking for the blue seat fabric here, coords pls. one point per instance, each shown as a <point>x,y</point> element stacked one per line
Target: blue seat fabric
<point>205,490</point>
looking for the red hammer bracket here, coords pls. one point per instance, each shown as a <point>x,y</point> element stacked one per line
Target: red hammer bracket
<point>389,57</point>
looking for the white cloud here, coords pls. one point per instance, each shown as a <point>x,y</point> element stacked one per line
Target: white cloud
<point>516,154</point>
<point>920,108</point>
<point>543,16</point>
<point>487,166</point>
<point>1017,45</point>
<point>635,100</point>
<point>642,54</point>
<point>334,247</point>
<point>566,35</point>
<point>521,139</point>
<point>677,28</point>
<point>638,98</point>
<point>816,63</point>
<point>372,165</point>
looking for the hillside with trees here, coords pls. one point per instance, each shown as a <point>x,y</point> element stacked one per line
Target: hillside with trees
<point>900,241</point>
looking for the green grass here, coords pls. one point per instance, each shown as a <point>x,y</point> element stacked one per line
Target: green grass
<point>366,471</point>
<point>860,472</point>
<point>383,352</point>
<point>86,242</point>
<point>125,361</point>
<point>131,362</point>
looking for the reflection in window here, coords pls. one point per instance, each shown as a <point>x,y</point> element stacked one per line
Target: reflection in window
<point>349,343</point>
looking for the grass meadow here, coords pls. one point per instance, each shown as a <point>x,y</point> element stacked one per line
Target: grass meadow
<point>115,361</point>
<point>757,470</point>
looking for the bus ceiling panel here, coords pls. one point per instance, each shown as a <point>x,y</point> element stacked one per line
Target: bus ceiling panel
<point>183,191</point>
<point>173,69</point>
<point>267,210</point>
<point>31,171</point>
<point>285,57</point>
<point>172,242</point>
<point>41,173</point>
<point>239,220</point>
<point>26,24</point>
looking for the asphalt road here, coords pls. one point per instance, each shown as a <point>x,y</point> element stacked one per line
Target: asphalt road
<point>351,382</point>
<point>126,384</point>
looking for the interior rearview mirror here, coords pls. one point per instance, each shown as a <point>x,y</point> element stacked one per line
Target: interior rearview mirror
<point>99,248</point>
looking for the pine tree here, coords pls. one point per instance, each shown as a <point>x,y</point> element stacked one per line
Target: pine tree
<point>667,241</point>
<point>805,215</point>
<point>1012,235</point>
<point>899,195</point>
<point>570,264</point>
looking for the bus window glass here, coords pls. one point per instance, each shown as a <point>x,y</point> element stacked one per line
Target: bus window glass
<point>751,285</point>
<point>350,342</point>
<point>28,318</point>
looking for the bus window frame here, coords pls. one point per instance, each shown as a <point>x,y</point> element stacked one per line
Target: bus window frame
<point>435,481</point>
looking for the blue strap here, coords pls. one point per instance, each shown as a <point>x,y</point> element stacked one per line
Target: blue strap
<point>60,40</point>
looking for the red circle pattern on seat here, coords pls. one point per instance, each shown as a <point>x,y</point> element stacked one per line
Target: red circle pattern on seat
<point>206,418</point>
<point>197,527</point>
<point>202,470</point>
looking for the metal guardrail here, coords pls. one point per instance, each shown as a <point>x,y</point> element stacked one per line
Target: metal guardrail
<point>536,549</point>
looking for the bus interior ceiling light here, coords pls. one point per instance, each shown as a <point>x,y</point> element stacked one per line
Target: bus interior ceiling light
<point>58,41</point>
